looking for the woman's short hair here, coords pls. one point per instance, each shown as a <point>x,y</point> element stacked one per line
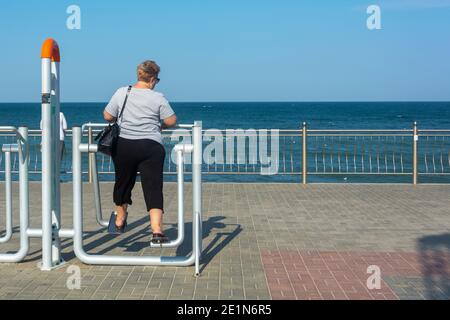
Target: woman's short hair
<point>147,70</point>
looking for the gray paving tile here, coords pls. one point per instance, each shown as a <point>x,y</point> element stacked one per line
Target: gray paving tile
<point>241,220</point>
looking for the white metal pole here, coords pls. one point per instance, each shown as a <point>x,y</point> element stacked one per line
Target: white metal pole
<point>180,150</point>
<point>24,206</point>
<point>47,167</point>
<point>8,185</point>
<point>56,191</point>
<point>96,185</point>
<point>8,198</point>
<point>197,160</point>
<point>77,189</point>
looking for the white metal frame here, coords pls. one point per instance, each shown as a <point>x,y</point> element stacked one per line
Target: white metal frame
<point>22,148</point>
<point>51,231</point>
<point>79,148</point>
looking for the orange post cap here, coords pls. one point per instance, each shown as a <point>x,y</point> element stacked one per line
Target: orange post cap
<point>50,50</point>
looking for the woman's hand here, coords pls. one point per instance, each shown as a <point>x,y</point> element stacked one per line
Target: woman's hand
<point>169,122</point>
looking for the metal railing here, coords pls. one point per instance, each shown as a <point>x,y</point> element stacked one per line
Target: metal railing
<point>299,152</point>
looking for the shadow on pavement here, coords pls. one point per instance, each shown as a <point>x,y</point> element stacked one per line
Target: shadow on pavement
<point>139,230</point>
<point>434,258</point>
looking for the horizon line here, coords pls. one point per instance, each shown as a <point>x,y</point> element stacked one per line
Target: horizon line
<point>256,101</point>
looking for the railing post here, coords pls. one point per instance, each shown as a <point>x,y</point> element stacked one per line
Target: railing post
<point>414,154</point>
<point>304,153</point>
<point>91,155</point>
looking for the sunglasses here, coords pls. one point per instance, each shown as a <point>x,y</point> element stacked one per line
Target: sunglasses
<point>157,80</point>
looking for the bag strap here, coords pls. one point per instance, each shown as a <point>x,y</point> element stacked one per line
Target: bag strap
<point>124,104</point>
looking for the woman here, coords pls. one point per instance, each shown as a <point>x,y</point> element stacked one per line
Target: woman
<point>139,147</point>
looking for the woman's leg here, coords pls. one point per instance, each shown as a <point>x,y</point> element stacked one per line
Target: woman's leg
<point>152,185</point>
<point>156,220</point>
<point>126,169</point>
<point>121,214</point>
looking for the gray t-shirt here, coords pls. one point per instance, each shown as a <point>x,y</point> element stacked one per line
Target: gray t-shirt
<point>143,113</point>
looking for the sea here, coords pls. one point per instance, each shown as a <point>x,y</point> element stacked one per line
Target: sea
<point>274,115</point>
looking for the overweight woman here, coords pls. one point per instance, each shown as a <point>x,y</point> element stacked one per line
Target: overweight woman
<point>139,147</point>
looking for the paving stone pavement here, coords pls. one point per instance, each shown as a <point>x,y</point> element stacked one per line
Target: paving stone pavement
<point>261,241</point>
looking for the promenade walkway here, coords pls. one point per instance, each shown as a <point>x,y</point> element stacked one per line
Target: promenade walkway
<point>261,241</point>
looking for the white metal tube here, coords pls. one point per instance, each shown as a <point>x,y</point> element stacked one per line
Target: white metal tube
<point>24,199</point>
<point>197,160</point>
<point>56,164</point>
<point>86,147</point>
<point>8,198</point>
<point>180,178</point>
<point>92,125</point>
<point>97,199</point>
<point>78,224</point>
<point>185,148</point>
<point>24,206</point>
<point>34,233</point>
<point>8,129</point>
<point>185,126</point>
<point>47,170</point>
<point>77,189</point>
<point>10,148</point>
<point>63,233</point>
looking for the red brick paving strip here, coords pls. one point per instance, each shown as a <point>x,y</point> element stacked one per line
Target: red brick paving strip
<point>307,275</point>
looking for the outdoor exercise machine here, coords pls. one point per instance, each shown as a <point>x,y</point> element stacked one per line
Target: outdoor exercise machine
<point>51,231</point>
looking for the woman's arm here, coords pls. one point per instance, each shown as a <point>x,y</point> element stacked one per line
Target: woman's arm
<point>108,117</point>
<point>112,109</point>
<point>169,122</point>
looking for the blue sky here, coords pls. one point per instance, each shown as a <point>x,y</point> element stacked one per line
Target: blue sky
<point>233,50</point>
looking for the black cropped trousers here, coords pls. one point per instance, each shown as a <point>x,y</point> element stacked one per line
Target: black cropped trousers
<point>147,157</point>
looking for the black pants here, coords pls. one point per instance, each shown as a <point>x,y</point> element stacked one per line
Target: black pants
<point>144,156</point>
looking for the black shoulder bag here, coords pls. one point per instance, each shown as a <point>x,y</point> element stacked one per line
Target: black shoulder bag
<point>107,138</point>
